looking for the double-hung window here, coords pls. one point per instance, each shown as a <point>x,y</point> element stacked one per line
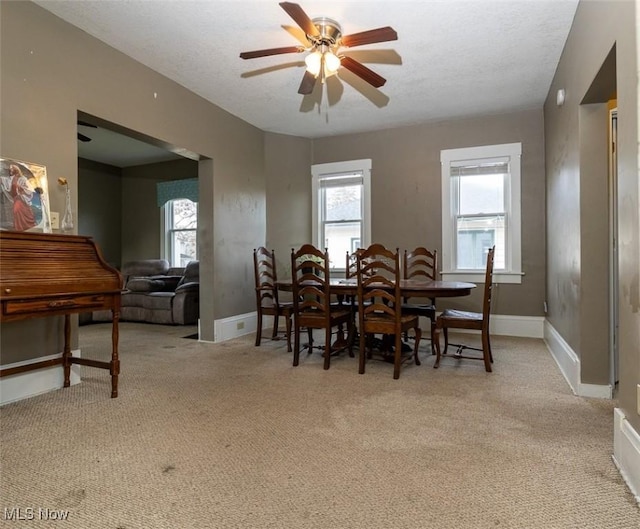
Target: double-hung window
<point>180,231</point>
<point>341,216</point>
<point>481,209</point>
<point>178,203</point>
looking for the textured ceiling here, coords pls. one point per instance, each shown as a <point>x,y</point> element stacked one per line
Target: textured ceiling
<point>453,58</point>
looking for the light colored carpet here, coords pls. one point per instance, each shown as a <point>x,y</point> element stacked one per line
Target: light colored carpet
<point>232,436</point>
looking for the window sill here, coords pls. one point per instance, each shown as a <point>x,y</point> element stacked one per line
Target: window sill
<point>478,277</point>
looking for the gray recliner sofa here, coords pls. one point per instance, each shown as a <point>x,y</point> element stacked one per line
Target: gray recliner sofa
<point>155,293</point>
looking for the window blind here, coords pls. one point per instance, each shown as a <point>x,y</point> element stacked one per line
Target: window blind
<point>341,180</point>
<point>175,189</point>
<point>480,167</point>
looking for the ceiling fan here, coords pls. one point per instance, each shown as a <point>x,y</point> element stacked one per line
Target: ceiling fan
<point>82,137</point>
<point>324,39</point>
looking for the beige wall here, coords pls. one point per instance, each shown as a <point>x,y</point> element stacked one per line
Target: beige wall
<point>100,207</point>
<point>288,168</point>
<point>577,214</point>
<point>406,191</point>
<point>58,70</point>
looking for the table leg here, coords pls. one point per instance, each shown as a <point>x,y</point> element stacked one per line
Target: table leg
<point>340,341</point>
<point>115,361</point>
<point>66,353</point>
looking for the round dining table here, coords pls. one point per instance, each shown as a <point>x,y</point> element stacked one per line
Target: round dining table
<point>421,288</point>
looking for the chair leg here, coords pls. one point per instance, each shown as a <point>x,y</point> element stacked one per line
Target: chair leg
<point>486,351</point>
<point>446,340</point>
<point>351,332</point>
<point>259,329</point>
<point>362,352</point>
<point>436,337</point>
<point>274,334</point>
<point>418,337</point>
<point>288,324</point>
<point>327,348</point>
<point>370,339</point>
<point>397,356</point>
<point>296,346</point>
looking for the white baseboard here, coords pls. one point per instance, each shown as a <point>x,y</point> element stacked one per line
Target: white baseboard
<point>31,383</point>
<point>626,452</point>
<point>522,326</point>
<point>569,365</point>
<point>505,325</point>
<point>234,326</point>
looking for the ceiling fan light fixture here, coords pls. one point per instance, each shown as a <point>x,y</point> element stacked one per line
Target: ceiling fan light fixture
<point>331,62</point>
<point>322,60</point>
<point>314,62</point>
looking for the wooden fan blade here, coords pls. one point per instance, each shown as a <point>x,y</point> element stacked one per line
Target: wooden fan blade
<point>369,37</point>
<point>363,72</point>
<point>84,138</point>
<point>300,18</point>
<point>271,51</point>
<point>308,83</point>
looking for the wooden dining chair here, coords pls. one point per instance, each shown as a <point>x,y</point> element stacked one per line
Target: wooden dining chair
<point>267,302</point>
<point>312,307</point>
<point>351,270</point>
<point>351,264</point>
<point>421,263</point>
<point>458,319</point>
<point>380,303</point>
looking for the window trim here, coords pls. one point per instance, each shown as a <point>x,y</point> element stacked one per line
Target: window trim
<point>165,231</point>
<point>513,259</point>
<point>324,170</point>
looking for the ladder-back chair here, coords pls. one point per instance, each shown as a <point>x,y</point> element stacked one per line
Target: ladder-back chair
<point>312,307</point>
<point>267,302</point>
<point>458,319</point>
<point>421,263</point>
<point>380,303</point>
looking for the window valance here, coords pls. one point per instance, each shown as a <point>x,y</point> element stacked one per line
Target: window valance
<point>174,189</point>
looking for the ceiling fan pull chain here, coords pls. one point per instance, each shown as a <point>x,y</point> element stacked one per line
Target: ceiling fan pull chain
<point>325,95</point>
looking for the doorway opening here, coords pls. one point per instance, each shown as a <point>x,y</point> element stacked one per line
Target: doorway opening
<point>118,173</point>
<point>613,244</point>
<point>599,226</point>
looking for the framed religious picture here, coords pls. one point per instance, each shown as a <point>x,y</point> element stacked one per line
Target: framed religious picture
<point>24,196</point>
